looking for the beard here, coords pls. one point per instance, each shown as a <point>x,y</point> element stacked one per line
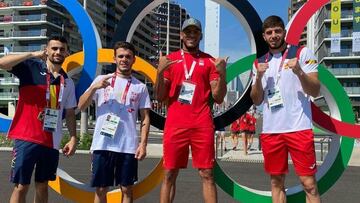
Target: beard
<point>56,62</point>
<point>279,46</point>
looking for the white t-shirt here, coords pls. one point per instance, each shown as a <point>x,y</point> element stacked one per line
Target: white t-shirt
<point>125,139</point>
<point>68,102</point>
<point>295,114</point>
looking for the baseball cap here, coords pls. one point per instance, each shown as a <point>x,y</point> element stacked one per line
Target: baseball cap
<point>191,22</point>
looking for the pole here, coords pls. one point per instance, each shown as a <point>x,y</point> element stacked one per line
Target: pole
<point>168,28</point>
<point>84,115</point>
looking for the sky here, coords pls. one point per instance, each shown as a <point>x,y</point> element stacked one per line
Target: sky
<point>233,40</point>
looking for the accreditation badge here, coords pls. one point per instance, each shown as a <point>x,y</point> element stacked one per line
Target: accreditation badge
<point>50,117</point>
<point>274,97</point>
<point>187,92</point>
<point>110,125</point>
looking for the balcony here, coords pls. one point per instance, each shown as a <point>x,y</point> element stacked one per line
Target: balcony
<point>345,71</point>
<point>9,95</point>
<point>9,81</point>
<point>22,3</point>
<point>21,49</point>
<point>344,52</point>
<point>30,33</point>
<point>352,90</point>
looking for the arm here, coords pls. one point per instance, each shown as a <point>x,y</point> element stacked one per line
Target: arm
<point>144,133</point>
<point>257,91</point>
<point>70,147</point>
<point>218,87</point>
<point>86,99</point>
<point>309,81</point>
<point>162,85</point>
<point>9,61</point>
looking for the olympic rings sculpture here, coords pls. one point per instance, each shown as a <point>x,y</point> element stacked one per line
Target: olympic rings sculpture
<point>341,122</point>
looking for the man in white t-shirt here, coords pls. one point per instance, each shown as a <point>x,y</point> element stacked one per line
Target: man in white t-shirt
<point>283,81</point>
<point>116,148</point>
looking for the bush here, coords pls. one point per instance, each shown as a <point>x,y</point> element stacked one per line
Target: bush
<point>85,142</point>
<point>5,142</point>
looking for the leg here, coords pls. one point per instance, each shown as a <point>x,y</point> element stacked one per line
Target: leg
<point>100,195</point>
<point>208,183</point>
<point>41,192</point>
<point>310,188</point>
<point>245,141</point>
<point>278,188</point>
<point>168,187</point>
<point>127,194</point>
<point>19,193</point>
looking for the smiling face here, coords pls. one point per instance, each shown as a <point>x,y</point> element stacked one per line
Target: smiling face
<point>56,52</point>
<point>191,37</point>
<point>124,59</point>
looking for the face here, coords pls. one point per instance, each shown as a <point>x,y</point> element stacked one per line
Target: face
<point>124,59</point>
<point>275,37</point>
<point>56,52</point>
<point>191,37</point>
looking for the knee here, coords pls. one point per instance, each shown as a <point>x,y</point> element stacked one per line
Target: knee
<point>101,191</point>
<point>309,185</point>
<point>277,181</point>
<point>22,189</point>
<point>170,176</point>
<point>206,175</point>
<point>127,191</point>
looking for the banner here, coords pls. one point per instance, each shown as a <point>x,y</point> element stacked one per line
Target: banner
<point>335,30</point>
<point>356,26</point>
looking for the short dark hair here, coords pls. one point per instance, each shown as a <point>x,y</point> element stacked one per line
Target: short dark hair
<point>272,21</point>
<point>124,45</point>
<point>62,39</point>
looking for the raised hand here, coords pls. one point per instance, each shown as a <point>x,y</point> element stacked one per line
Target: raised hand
<point>39,54</point>
<point>220,64</point>
<point>103,83</point>
<point>164,63</point>
<point>294,65</point>
<point>261,69</point>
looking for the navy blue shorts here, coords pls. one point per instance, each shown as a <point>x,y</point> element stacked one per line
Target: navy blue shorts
<point>27,155</point>
<point>108,166</point>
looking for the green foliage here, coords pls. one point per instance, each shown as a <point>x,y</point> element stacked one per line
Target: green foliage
<point>4,142</point>
<point>85,142</point>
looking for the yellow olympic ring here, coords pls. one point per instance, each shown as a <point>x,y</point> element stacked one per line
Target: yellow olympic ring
<point>65,185</point>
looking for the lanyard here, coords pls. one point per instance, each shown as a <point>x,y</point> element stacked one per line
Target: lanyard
<point>187,74</point>
<point>51,93</point>
<point>112,84</point>
<point>281,64</point>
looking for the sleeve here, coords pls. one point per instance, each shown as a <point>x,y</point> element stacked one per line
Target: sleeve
<point>308,61</point>
<point>71,99</point>
<point>144,99</point>
<point>16,69</point>
<point>254,72</point>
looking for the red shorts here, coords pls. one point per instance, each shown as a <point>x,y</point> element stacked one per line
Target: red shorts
<point>176,147</point>
<point>299,144</point>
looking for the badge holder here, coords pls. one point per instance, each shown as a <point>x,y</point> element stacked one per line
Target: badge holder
<point>187,92</point>
<point>275,99</point>
<point>50,117</point>
<point>110,125</point>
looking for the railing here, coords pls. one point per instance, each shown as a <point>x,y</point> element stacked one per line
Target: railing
<point>344,52</point>
<point>345,71</point>
<point>4,81</point>
<point>10,95</point>
<point>27,48</point>
<point>29,33</point>
<point>352,90</point>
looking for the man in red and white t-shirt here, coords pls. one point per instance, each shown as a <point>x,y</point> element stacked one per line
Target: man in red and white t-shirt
<point>187,78</point>
<point>283,80</point>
